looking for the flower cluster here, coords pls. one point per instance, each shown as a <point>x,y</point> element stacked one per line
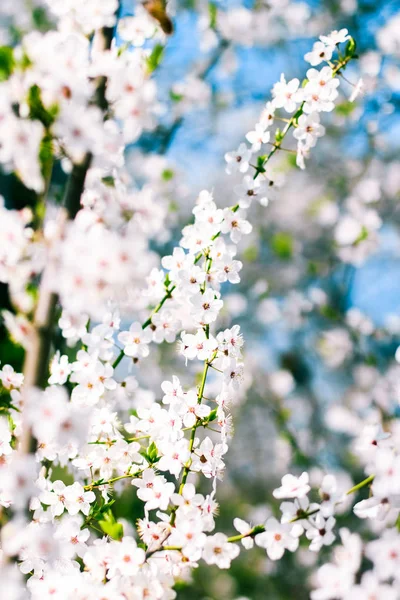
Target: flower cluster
<point>54,78</point>
<point>70,445</point>
<point>304,102</point>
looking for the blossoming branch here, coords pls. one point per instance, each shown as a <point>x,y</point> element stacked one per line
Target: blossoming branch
<point>74,432</point>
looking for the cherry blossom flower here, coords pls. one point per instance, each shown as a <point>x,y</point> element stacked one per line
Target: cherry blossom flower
<point>154,490</point>
<point>10,379</point>
<point>72,497</point>
<point>174,457</point>
<point>385,554</point>
<point>251,188</point>
<point>333,582</point>
<point>197,345</point>
<point>238,160</point>
<point>320,533</point>
<point>309,129</point>
<point>293,487</point>
<point>335,37</point>
<point>258,137</point>
<point>188,498</point>
<point>370,586</point>
<point>276,539</point>
<point>72,535</point>
<point>218,551</point>
<point>244,528</point>
<point>287,95</point>
<point>166,326</point>
<point>235,224</point>
<point>135,341</point>
<point>173,392</point>
<point>60,370</point>
<point>330,495</point>
<point>321,52</point>
<point>126,558</point>
<point>206,306</point>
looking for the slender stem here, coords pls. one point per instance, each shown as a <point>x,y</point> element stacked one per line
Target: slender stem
<point>279,147</point>
<point>186,469</point>
<point>261,528</point>
<point>148,322</point>
<point>159,306</point>
<point>136,439</point>
<point>234,538</point>
<point>118,359</point>
<point>293,120</point>
<point>96,484</point>
<point>304,515</point>
<point>360,485</point>
<point>355,488</point>
<point>207,364</point>
<point>252,533</point>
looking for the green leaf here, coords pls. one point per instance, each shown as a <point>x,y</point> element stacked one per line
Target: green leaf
<point>107,505</point>
<point>167,174</point>
<point>350,49</point>
<point>285,414</point>
<point>278,135</point>
<point>5,399</point>
<point>6,62</point>
<point>46,157</point>
<point>329,312</point>
<point>155,57</point>
<point>260,164</point>
<point>11,423</point>
<point>212,11</point>
<point>114,530</point>
<point>362,237</point>
<point>213,415</point>
<point>312,268</point>
<point>258,529</point>
<point>175,97</point>
<point>99,508</point>
<point>282,245</point>
<point>108,180</point>
<point>40,18</point>
<point>151,454</point>
<point>37,110</point>
<point>370,360</point>
<point>25,62</point>
<point>111,527</point>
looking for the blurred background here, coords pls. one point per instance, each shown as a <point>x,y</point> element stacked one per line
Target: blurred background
<point>319,300</point>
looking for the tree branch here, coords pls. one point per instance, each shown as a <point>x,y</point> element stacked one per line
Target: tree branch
<point>37,356</point>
